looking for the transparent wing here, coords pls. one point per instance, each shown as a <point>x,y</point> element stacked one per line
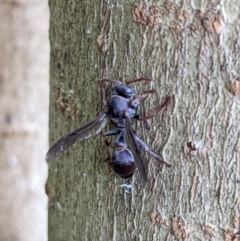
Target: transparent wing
<point>134,147</point>
<point>84,132</point>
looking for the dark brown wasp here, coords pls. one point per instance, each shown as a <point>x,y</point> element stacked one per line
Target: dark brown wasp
<point>121,107</point>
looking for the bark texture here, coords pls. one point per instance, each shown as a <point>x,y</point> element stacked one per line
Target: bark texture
<point>24,51</point>
<point>191,49</point>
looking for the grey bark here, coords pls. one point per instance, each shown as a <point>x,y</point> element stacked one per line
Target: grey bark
<point>24,51</point>
<point>191,49</point>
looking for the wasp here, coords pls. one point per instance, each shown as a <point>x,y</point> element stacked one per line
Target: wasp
<point>120,109</point>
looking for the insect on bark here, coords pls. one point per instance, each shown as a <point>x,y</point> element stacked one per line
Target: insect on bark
<point>120,108</point>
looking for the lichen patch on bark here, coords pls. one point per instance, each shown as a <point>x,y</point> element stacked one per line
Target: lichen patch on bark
<point>67,105</point>
<point>235,87</point>
<point>172,16</point>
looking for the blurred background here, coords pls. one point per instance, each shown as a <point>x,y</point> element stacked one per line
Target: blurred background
<point>24,95</point>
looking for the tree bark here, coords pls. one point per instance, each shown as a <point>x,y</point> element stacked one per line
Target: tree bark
<point>190,50</point>
<point>24,51</point>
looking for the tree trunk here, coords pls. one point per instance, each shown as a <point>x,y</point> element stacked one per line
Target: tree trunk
<point>190,50</point>
<point>24,51</point>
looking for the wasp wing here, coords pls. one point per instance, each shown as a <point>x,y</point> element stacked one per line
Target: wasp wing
<point>84,132</point>
<point>135,148</point>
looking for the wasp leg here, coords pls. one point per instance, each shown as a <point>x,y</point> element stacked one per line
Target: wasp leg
<point>151,115</point>
<point>112,133</point>
<point>138,80</point>
<point>101,84</point>
<point>144,146</point>
<point>135,101</point>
